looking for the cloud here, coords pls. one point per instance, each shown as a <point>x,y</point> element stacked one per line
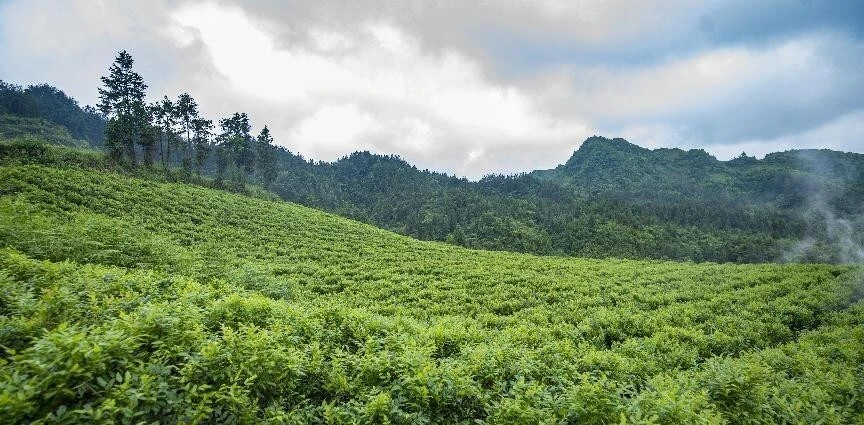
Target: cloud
<point>374,88</point>
<point>473,87</point>
<point>844,133</point>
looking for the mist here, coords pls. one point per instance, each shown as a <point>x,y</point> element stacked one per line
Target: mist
<point>834,233</point>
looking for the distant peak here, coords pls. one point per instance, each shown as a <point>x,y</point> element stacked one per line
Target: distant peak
<point>600,146</point>
<point>616,142</point>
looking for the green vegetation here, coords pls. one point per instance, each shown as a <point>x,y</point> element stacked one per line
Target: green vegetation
<point>46,112</point>
<point>133,300</point>
<point>17,127</point>
<point>32,151</point>
<point>612,198</point>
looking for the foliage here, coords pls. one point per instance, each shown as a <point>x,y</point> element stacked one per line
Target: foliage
<point>611,198</point>
<point>15,127</point>
<point>29,151</point>
<point>121,99</point>
<point>82,122</point>
<point>46,112</point>
<point>130,300</point>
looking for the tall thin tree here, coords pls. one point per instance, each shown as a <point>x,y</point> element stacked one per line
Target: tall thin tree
<point>121,99</point>
<point>186,111</point>
<point>235,142</point>
<point>202,132</point>
<point>163,114</point>
<point>265,156</point>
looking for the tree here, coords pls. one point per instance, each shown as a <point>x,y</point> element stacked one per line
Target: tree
<point>150,133</point>
<point>236,141</point>
<point>266,157</point>
<point>222,160</point>
<point>121,99</point>
<point>163,114</point>
<point>14,100</point>
<point>114,135</point>
<point>186,111</point>
<point>202,130</point>
<point>55,106</point>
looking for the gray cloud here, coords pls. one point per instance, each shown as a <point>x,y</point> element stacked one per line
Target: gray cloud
<point>474,87</point>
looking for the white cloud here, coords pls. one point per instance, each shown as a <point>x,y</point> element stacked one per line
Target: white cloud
<point>374,89</point>
<point>727,99</point>
<point>844,133</point>
<point>793,71</point>
<point>334,130</point>
<point>424,79</point>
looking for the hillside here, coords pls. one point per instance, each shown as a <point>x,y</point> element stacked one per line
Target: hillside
<point>127,300</point>
<point>615,165</point>
<point>47,112</point>
<point>14,127</point>
<point>611,198</point>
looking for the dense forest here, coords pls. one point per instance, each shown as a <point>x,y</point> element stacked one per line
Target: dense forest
<point>30,110</point>
<point>610,199</point>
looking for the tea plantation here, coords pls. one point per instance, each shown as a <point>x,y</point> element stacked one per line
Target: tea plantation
<point>127,300</point>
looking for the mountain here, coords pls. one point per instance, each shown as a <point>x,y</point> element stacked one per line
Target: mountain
<point>607,165</point>
<point>611,198</point>
<point>125,297</point>
<point>615,165</point>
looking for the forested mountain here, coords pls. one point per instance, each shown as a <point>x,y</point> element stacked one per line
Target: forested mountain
<point>611,198</point>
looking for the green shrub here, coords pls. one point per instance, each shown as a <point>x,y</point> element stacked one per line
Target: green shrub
<point>125,300</point>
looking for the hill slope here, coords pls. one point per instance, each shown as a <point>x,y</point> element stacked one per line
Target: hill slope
<point>124,300</point>
<point>49,113</point>
<point>611,198</point>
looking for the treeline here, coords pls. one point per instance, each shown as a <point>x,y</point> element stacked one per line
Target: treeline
<point>611,199</point>
<point>526,214</point>
<point>173,132</point>
<point>49,103</point>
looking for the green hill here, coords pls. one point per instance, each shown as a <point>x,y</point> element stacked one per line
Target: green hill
<point>610,199</point>
<point>47,112</point>
<point>787,178</point>
<point>134,300</point>
<point>16,127</point>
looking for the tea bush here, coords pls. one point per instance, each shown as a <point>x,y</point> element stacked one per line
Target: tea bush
<point>124,300</point>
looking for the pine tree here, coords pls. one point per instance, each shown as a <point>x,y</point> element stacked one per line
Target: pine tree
<point>163,115</point>
<point>266,157</point>
<point>122,101</point>
<point>236,141</point>
<point>202,130</point>
<point>186,111</point>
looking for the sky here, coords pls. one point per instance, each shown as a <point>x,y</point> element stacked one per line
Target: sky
<point>473,87</point>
